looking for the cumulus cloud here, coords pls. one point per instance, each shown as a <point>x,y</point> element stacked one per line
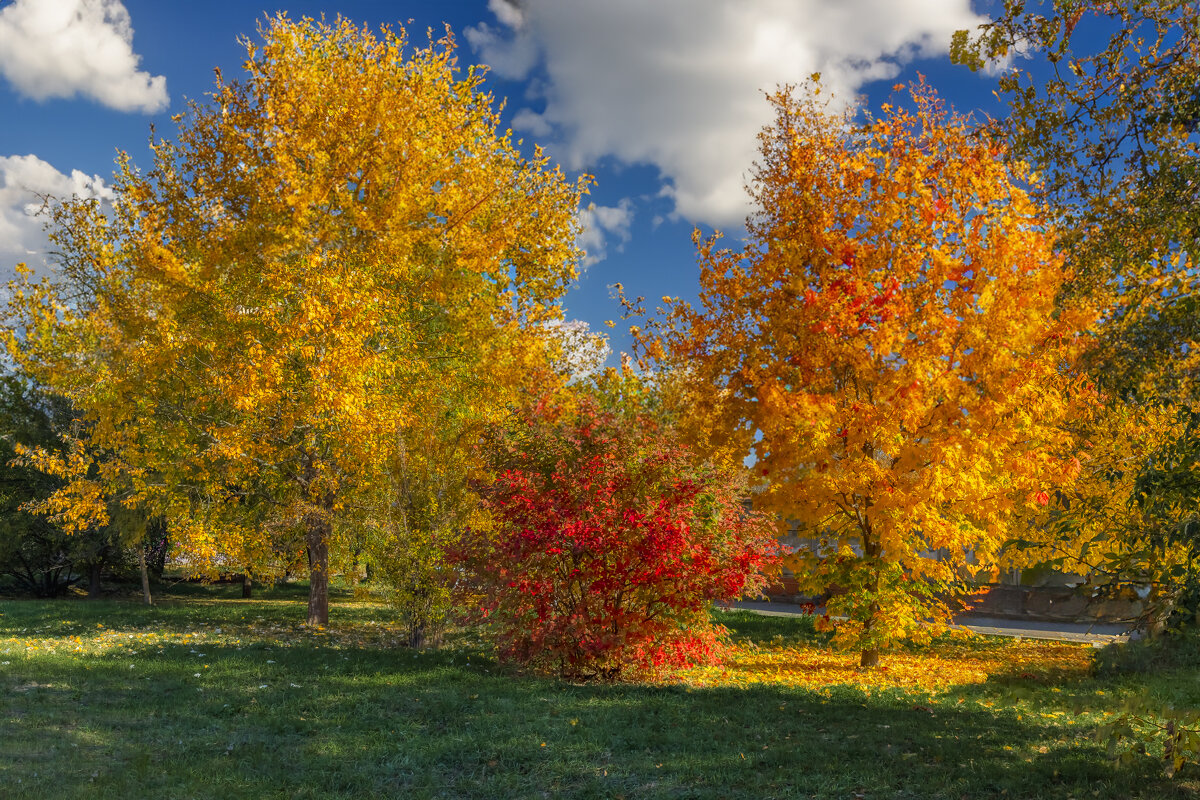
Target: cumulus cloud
<point>582,352</point>
<point>678,84</point>
<point>26,182</point>
<point>64,48</point>
<point>598,224</point>
<point>511,57</point>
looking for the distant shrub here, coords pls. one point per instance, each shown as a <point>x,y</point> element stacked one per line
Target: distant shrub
<point>1175,649</point>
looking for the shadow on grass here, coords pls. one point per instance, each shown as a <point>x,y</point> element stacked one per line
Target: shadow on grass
<point>318,721</point>
<point>177,589</point>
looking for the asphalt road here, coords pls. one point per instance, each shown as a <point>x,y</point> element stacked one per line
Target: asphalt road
<point>1098,634</point>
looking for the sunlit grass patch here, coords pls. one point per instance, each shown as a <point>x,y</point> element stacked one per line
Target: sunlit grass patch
<point>945,663</point>
<point>371,630</point>
<point>789,652</point>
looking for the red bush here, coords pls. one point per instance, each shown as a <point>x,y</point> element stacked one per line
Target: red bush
<point>609,543</point>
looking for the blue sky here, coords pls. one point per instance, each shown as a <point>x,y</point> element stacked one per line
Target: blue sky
<point>659,100</point>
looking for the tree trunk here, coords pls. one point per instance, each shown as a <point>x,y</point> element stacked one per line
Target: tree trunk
<point>94,580</point>
<point>317,530</point>
<point>869,658</point>
<point>1159,601</point>
<point>247,586</point>
<point>416,634</point>
<point>145,576</point>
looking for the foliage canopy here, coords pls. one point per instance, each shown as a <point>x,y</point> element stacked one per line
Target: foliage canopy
<point>888,345</point>
<point>329,242</point>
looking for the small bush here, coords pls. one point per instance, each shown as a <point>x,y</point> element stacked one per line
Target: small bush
<point>608,545</point>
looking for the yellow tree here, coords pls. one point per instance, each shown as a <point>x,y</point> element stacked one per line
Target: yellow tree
<point>260,314</point>
<point>887,344</point>
<point>1108,526</point>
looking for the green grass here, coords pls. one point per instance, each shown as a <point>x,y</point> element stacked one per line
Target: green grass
<point>206,695</point>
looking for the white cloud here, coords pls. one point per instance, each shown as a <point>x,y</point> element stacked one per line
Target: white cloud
<point>508,12</point>
<point>25,184</point>
<point>597,224</point>
<point>64,48</point>
<point>678,83</point>
<point>582,352</point>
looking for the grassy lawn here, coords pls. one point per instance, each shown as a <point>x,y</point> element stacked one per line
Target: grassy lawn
<point>207,695</point>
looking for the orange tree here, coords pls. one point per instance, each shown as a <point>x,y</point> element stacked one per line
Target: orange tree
<point>887,345</point>
<point>331,242</point>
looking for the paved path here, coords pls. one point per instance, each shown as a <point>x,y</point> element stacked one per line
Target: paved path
<point>1098,634</point>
